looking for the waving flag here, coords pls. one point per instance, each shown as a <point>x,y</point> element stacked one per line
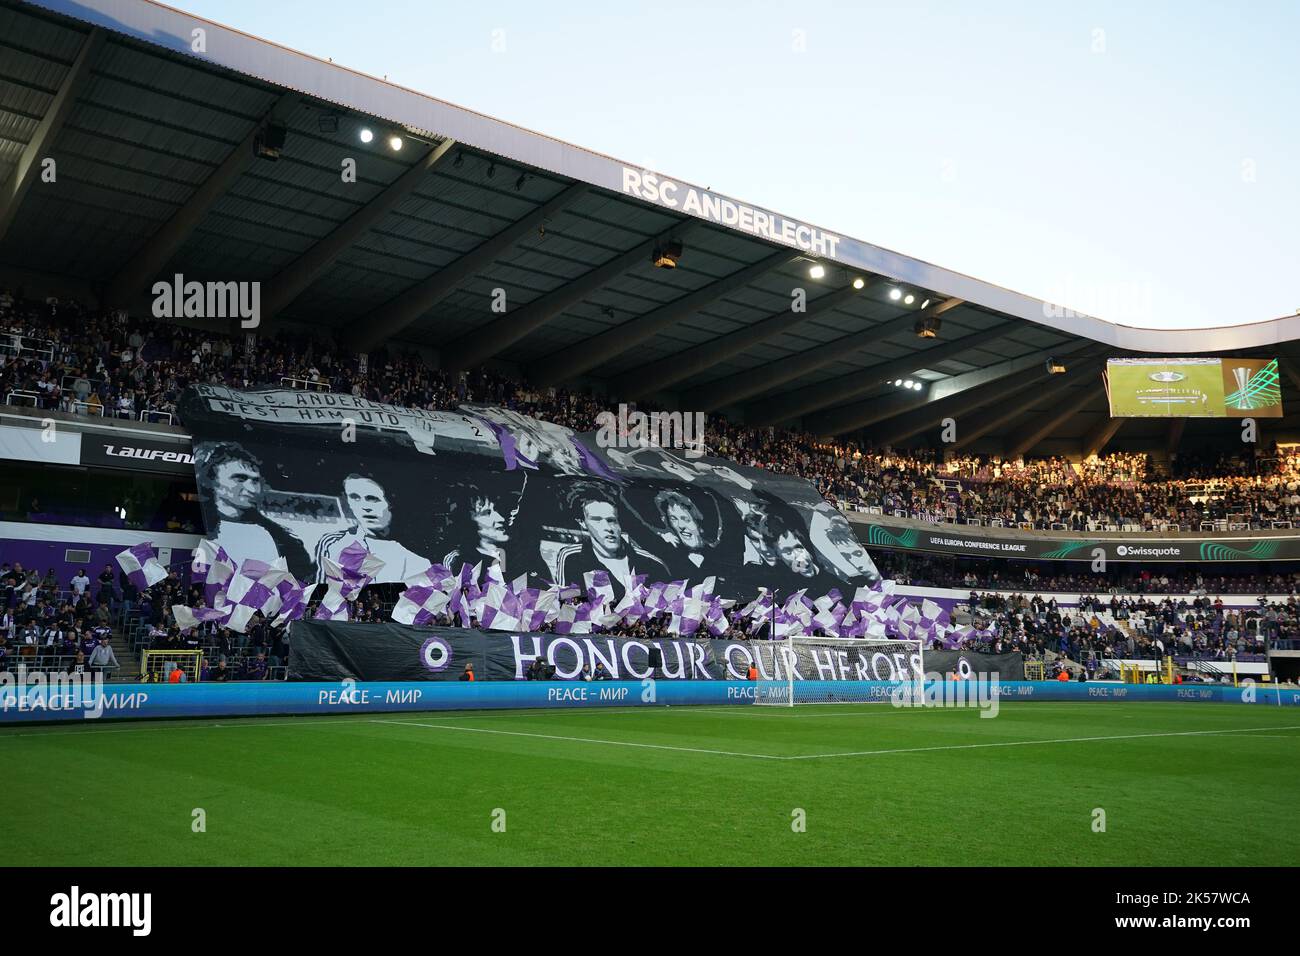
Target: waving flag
<point>141,566</point>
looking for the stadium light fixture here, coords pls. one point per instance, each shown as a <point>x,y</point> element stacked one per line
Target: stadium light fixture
<point>908,384</point>
<point>859,282</point>
<point>916,385</point>
<point>909,299</point>
<point>366,134</point>
<point>667,255</point>
<point>1055,367</point>
<point>898,383</point>
<point>895,293</point>
<point>927,327</point>
<point>925,303</point>
<point>395,143</point>
<point>817,271</point>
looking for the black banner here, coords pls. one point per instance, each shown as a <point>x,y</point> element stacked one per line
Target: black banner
<point>966,665</point>
<point>136,453</point>
<point>331,650</point>
<point>304,474</point>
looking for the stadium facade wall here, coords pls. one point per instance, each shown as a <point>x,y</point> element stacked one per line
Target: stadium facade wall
<point>83,702</point>
<point>1133,547</point>
<point>45,546</point>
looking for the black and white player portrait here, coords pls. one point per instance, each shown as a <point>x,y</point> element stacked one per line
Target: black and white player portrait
<point>479,519</point>
<point>696,532</point>
<point>596,512</point>
<point>839,547</point>
<point>492,486</point>
<point>369,508</point>
<point>794,553</point>
<point>232,491</point>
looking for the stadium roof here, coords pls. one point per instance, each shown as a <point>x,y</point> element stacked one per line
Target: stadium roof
<point>153,128</point>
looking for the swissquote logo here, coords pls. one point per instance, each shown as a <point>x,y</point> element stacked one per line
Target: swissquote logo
<point>78,909</point>
<point>148,454</point>
<point>1138,551</point>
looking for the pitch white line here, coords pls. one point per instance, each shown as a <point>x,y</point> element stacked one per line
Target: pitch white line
<point>1028,743</point>
<point>855,753</point>
<point>89,727</point>
<point>580,740</point>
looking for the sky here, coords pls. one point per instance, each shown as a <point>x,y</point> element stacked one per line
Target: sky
<point>1139,162</point>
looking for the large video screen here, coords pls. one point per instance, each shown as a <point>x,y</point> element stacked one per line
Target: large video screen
<point>1193,388</point>
<point>303,475</point>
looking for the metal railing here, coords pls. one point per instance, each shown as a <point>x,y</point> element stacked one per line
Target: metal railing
<point>37,658</point>
<point>304,384</point>
<point>15,344</point>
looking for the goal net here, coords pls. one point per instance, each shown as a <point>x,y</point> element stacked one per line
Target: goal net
<point>156,666</point>
<point>833,670</point>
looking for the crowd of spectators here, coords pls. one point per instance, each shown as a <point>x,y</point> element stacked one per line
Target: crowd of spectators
<point>1131,627</point>
<point>58,355</point>
<point>48,626</point>
<point>1077,577</point>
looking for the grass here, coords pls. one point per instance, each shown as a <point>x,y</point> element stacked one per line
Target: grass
<point>1180,785</point>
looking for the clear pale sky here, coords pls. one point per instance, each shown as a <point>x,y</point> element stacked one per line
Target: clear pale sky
<point>1137,161</point>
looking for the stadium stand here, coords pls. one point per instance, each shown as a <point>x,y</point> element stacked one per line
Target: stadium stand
<point>61,357</point>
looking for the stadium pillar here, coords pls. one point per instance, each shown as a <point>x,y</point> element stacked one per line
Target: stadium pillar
<point>742,385</point>
<point>483,343</point>
<point>569,363</point>
<point>29,167</point>
<point>303,271</point>
<point>1088,396</point>
<point>645,379</point>
<point>843,388</point>
<point>396,314</point>
<point>1290,371</point>
<point>970,400</point>
<point>1101,436</point>
<point>847,418</point>
<point>134,278</point>
<point>1174,436</point>
<point>973,431</point>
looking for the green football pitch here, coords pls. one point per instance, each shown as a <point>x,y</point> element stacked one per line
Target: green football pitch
<point>1200,784</point>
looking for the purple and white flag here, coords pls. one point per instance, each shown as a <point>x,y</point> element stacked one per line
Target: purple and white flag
<point>189,617</point>
<point>141,565</point>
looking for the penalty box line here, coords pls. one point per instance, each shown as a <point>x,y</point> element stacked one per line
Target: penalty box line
<point>581,740</point>
<point>1028,743</point>
<point>854,753</point>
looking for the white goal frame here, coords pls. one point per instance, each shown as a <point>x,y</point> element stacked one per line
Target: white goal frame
<point>782,691</point>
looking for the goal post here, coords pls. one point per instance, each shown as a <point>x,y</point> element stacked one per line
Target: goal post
<point>156,666</point>
<point>835,670</point>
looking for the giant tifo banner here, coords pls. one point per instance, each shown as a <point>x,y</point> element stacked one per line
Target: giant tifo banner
<point>1193,388</point>
<point>329,651</point>
<point>974,541</point>
<point>304,475</point>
